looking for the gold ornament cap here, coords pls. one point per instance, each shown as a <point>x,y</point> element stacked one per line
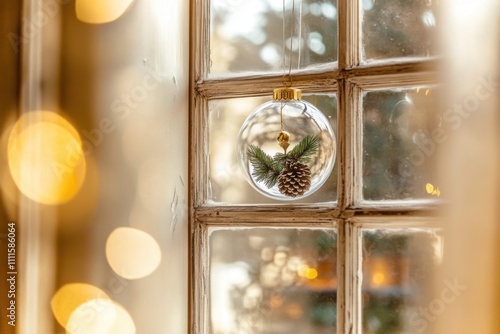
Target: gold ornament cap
<point>286,94</point>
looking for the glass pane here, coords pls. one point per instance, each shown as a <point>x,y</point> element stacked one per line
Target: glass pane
<point>399,28</point>
<point>273,281</point>
<point>248,35</point>
<point>402,133</point>
<point>398,269</point>
<point>227,182</point>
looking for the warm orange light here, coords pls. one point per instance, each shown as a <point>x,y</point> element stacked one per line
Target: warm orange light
<point>432,190</point>
<point>71,296</point>
<point>45,157</point>
<point>308,272</point>
<point>311,273</point>
<point>132,253</point>
<point>101,11</point>
<point>100,316</point>
<point>378,278</point>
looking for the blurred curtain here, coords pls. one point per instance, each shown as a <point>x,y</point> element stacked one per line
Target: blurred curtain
<point>468,289</point>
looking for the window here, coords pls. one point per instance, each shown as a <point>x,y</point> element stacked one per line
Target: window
<point>355,256</point>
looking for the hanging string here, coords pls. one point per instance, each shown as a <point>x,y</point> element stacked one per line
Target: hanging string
<point>290,55</point>
<point>283,37</point>
<point>299,35</point>
<point>287,78</point>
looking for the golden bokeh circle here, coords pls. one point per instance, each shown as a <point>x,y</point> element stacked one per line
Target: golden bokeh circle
<point>98,12</point>
<point>45,157</point>
<point>132,253</point>
<point>100,316</point>
<point>70,297</point>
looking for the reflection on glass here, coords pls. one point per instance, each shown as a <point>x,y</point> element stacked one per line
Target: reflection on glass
<point>227,182</point>
<point>398,267</point>
<point>248,35</point>
<point>277,281</point>
<point>402,134</point>
<point>399,28</point>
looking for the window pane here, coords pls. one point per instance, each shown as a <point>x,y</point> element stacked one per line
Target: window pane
<point>273,281</point>
<point>227,182</point>
<point>399,28</point>
<point>248,35</point>
<point>402,133</point>
<point>398,269</point>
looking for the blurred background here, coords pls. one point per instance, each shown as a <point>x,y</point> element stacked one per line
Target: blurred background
<point>94,136</point>
<point>94,169</point>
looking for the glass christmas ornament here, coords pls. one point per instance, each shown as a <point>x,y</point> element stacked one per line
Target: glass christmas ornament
<point>286,147</point>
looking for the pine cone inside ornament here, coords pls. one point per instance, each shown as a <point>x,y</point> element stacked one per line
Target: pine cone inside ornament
<point>295,179</point>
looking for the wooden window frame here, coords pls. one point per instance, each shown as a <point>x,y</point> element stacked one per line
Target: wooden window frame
<point>348,78</point>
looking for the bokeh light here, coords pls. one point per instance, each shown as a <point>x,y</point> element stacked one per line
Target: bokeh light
<point>378,278</point>
<point>308,272</point>
<point>432,190</point>
<point>132,253</point>
<point>103,11</point>
<point>45,157</point>
<point>70,297</point>
<point>100,316</point>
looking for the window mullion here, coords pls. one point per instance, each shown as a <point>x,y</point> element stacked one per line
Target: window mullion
<point>349,248</point>
<point>353,277</point>
<point>349,270</point>
<point>356,143</point>
<point>348,141</point>
<point>199,161</point>
<point>349,34</point>
<point>200,12</point>
<point>310,81</point>
<point>342,317</point>
<point>199,280</point>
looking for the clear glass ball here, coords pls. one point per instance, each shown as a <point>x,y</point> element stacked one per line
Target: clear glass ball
<point>300,119</point>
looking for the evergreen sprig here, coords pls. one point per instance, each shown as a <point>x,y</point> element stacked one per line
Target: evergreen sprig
<point>267,169</point>
<point>303,151</point>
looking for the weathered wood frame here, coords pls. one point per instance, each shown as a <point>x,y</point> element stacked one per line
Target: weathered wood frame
<point>348,77</point>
